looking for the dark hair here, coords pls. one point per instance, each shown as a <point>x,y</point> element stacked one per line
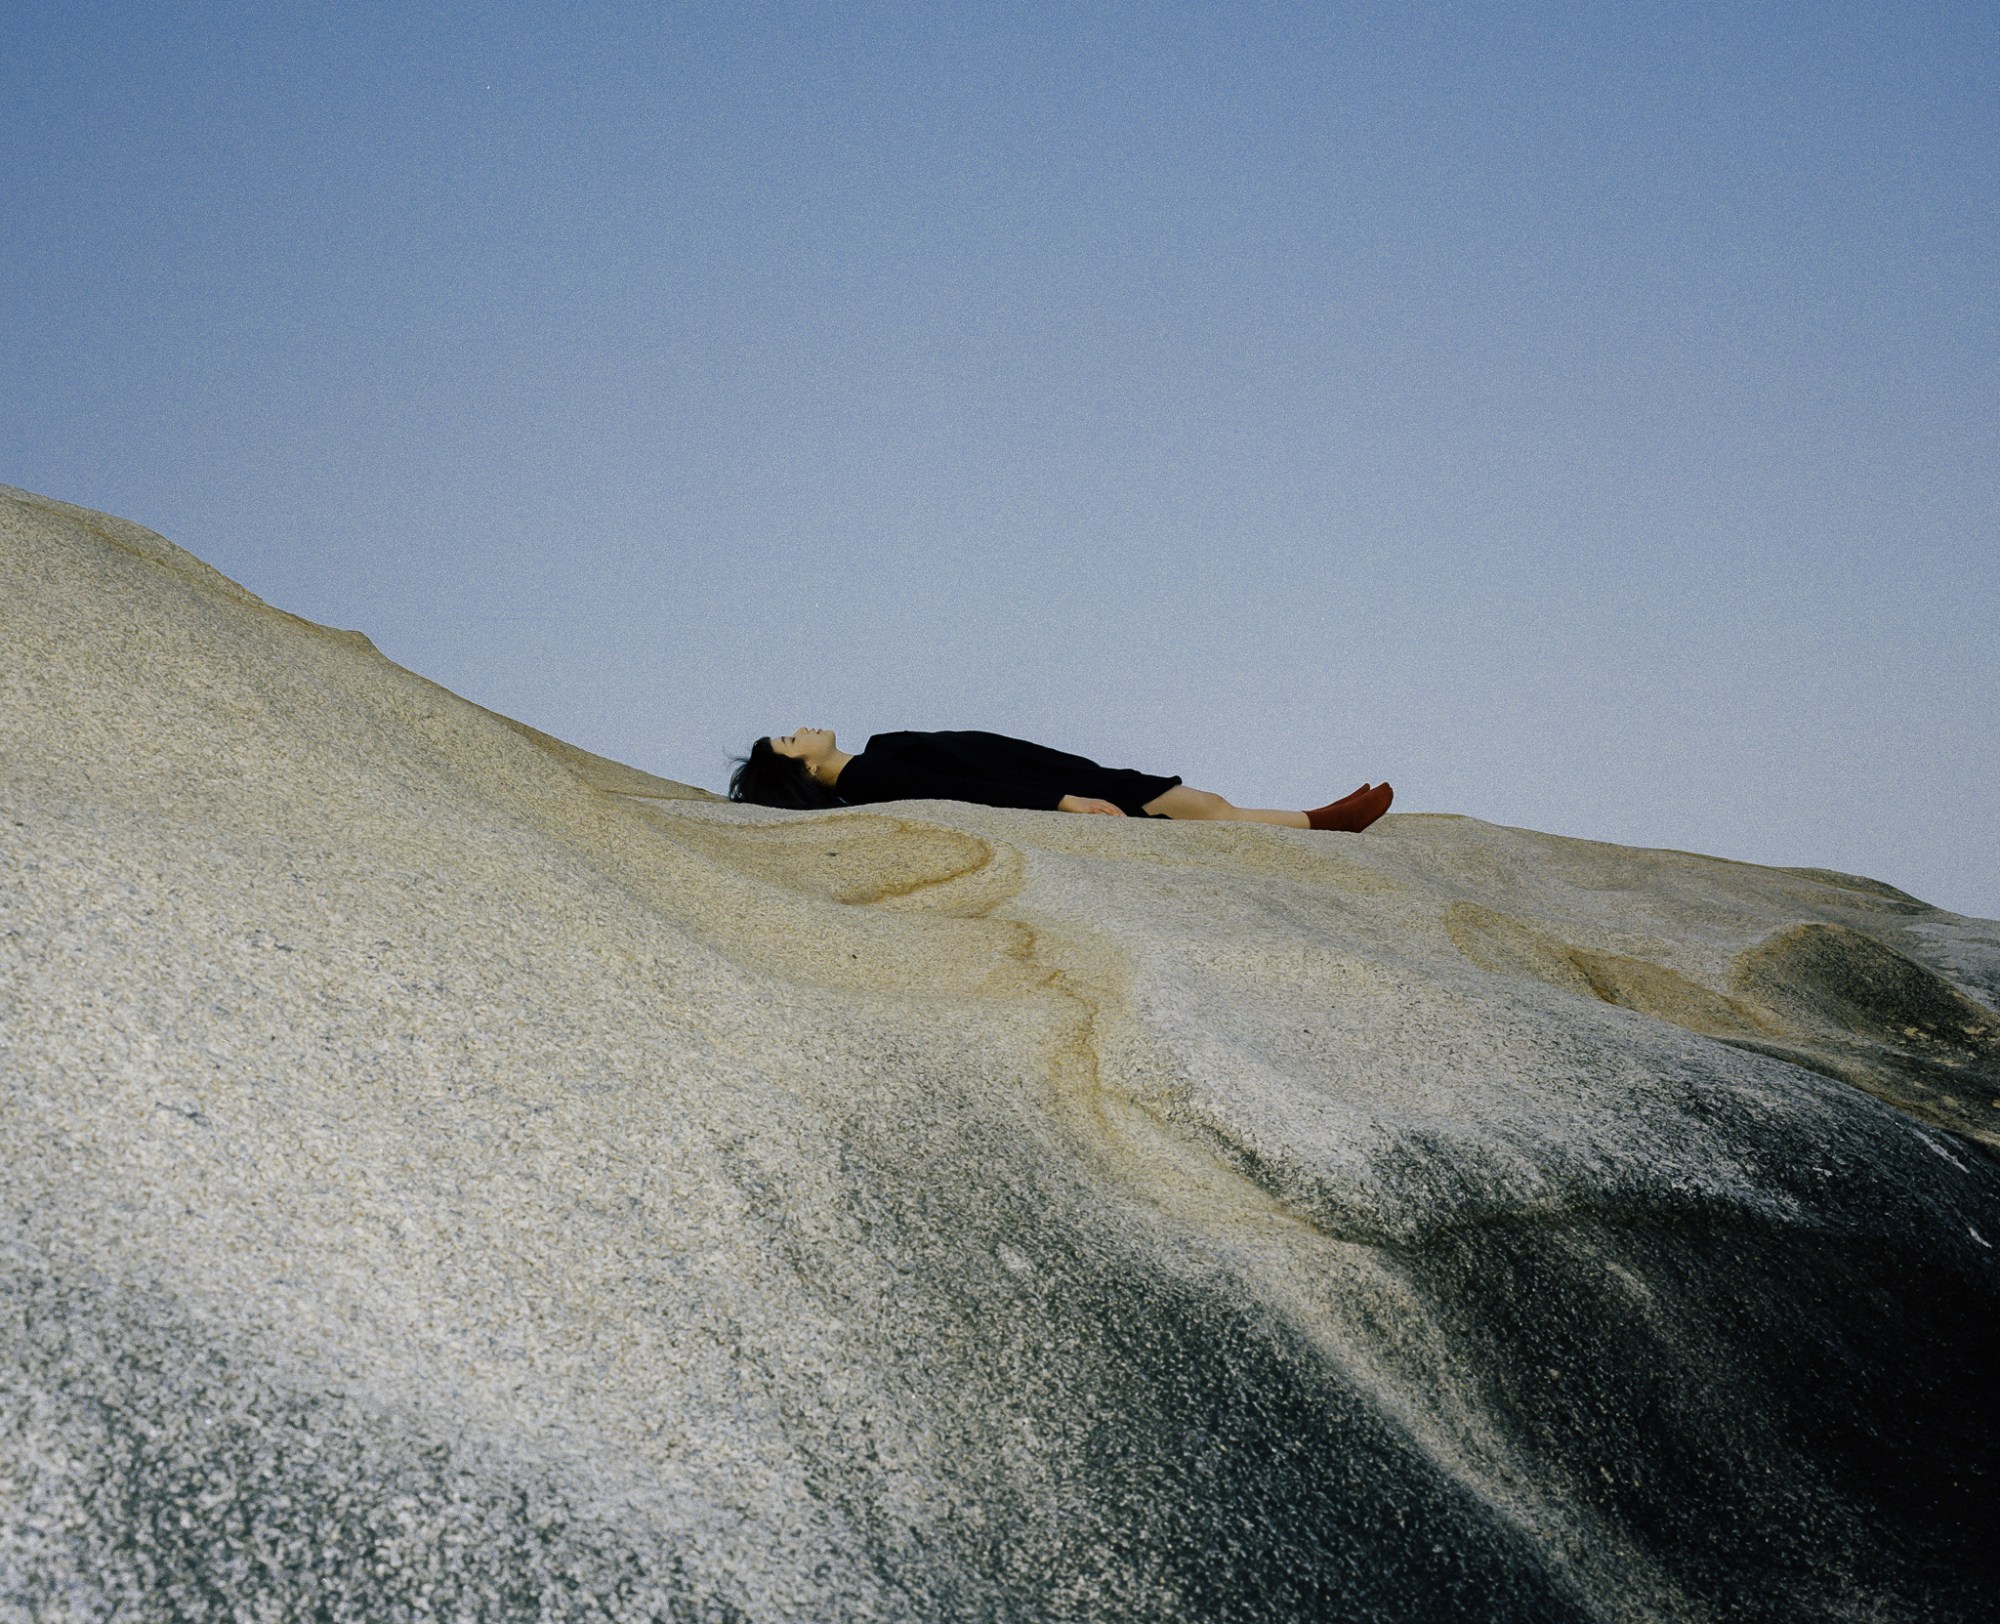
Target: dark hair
<point>766,778</point>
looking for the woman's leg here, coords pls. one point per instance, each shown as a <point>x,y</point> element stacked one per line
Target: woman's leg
<point>1351,812</point>
<point>1184,802</point>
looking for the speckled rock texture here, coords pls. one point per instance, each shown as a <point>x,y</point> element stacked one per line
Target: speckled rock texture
<point>447,1175</point>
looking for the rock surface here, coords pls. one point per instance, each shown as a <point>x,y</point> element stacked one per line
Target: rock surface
<point>444,1174</point>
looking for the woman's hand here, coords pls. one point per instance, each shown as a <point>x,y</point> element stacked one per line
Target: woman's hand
<point>1085,803</point>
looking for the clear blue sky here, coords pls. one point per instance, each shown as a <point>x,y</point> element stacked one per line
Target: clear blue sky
<point>1583,416</point>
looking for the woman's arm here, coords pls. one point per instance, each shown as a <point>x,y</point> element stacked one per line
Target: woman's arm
<point>1086,803</point>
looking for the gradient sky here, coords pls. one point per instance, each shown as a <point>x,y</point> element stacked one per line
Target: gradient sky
<point>1582,416</point>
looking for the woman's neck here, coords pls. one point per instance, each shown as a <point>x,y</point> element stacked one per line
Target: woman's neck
<point>828,771</point>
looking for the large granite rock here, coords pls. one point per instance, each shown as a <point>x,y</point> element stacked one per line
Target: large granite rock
<point>444,1174</point>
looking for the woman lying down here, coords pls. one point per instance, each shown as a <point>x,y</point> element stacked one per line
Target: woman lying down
<point>807,768</point>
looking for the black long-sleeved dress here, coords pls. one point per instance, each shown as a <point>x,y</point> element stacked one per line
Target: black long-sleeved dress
<point>989,769</point>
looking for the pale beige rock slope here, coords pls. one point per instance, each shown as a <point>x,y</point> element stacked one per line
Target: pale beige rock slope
<point>447,1174</point>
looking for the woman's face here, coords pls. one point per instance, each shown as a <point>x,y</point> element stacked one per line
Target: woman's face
<point>808,744</point>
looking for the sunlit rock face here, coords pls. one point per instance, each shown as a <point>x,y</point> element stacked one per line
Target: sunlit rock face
<point>444,1174</point>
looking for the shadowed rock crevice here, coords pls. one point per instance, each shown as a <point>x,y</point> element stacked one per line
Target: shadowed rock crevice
<point>1682,1368</point>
